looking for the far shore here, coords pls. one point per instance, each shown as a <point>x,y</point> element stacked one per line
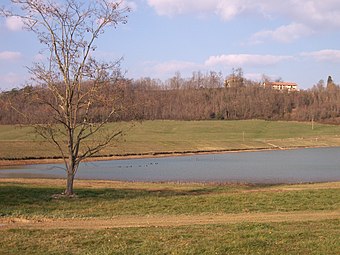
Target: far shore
<point>35,161</point>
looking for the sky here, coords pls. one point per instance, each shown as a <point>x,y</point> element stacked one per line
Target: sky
<point>295,40</point>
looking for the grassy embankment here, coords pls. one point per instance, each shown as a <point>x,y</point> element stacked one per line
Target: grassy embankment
<point>154,218</point>
<point>182,136</point>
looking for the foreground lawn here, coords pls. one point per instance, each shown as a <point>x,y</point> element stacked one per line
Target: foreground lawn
<point>181,136</point>
<point>34,201</point>
<point>112,199</point>
<point>308,238</point>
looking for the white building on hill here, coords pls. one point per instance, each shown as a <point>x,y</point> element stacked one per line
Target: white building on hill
<point>282,86</point>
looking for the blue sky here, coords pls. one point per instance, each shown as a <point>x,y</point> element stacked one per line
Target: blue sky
<point>296,40</point>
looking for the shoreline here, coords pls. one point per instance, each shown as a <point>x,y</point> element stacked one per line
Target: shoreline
<point>36,161</point>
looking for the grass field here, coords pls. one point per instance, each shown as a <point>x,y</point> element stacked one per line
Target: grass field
<point>167,218</point>
<point>182,136</point>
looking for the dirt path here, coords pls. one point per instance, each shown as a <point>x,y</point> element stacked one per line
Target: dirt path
<point>166,221</point>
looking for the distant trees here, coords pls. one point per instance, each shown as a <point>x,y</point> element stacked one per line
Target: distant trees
<point>235,79</point>
<point>204,96</point>
<point>330,84</point>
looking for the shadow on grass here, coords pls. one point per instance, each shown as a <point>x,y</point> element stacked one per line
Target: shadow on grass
<point>20,200</point>
<point>15,195</point>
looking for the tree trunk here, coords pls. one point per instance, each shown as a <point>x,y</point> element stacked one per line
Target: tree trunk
<point>69,184</point>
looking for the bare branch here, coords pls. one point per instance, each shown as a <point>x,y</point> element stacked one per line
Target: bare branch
<point>69,29</point>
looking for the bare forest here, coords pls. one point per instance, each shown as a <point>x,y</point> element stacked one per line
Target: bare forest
<point>200,97</point>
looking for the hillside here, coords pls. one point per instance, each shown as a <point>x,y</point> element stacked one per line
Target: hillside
<point>167,137</point>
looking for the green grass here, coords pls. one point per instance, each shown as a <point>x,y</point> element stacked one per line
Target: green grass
<point>181,136</point>
<point>28,199</point>
<point>271,238</point>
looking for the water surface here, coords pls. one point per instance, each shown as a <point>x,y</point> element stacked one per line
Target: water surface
<point>290,166</point>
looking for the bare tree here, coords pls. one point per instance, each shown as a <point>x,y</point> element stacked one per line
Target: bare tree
<point>73,78</point>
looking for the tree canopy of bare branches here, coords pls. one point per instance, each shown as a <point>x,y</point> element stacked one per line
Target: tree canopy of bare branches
<point>68,29</point>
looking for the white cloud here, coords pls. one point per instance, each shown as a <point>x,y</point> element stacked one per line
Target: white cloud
<point>240,60</point>
<point>284,34</point>
<point>326,55</point>
<point>260,76</point>
<point>39,57</point>
<point>10,55</point>
<point>10,80</point>
<point>324,13</point>
<point>178,7</point>
<point>305,17</point>
<point>221,62</point>
<point>171,67</point>
<point>327,11</point>
<point>14,23</point>
<point>227,10</point>
<point>224,9</point>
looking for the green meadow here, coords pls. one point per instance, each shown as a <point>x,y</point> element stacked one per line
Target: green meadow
<point>309,238</point>
<point>35,201</point>
<point>153,137</point>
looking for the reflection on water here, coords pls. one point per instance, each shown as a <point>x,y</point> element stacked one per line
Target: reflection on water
<point>291,166</point>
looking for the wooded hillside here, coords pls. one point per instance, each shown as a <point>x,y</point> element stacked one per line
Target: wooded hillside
<point>200,97</point>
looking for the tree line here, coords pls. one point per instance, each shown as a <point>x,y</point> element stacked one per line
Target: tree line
<point>200,97</point>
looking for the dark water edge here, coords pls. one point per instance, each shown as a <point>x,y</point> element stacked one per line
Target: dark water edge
<point>284,166</point>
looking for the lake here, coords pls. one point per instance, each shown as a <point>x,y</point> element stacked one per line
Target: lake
<point>283,166</point>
